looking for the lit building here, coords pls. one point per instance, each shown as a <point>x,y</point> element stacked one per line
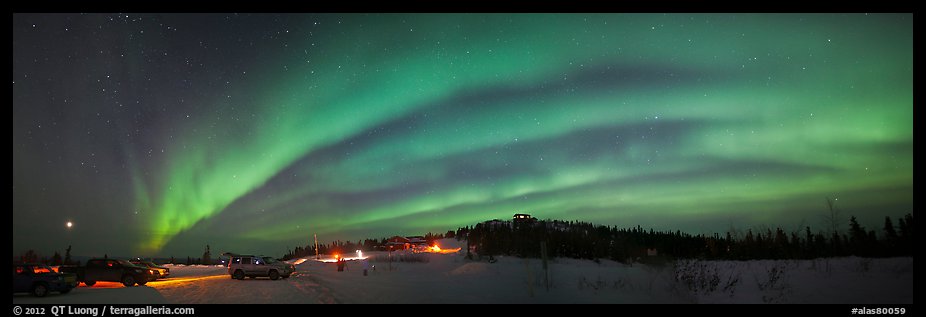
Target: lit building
<point>523,218</point>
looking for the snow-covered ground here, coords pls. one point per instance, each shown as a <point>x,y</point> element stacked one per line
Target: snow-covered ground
<point>449,278</point>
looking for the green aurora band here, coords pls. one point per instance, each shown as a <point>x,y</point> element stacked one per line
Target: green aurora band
<point>402,124</point>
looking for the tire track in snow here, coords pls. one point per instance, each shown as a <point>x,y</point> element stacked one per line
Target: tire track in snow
<point>307,283</point>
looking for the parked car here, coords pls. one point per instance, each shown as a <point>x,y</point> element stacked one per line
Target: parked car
<point>241,266</point>
<point>110,270</point>
<point>39,279</point>
<point>159,271</point>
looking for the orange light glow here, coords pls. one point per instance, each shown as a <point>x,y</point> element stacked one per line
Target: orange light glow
<point>336,258</point>
<point>104,285</point>
<point>179,281</point>
<point>437,249</point>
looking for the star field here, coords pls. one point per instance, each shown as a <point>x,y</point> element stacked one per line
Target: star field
<point>159,133</point>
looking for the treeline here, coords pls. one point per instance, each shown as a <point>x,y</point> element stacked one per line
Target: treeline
<point>345,247</point>
<point>30,256</point>
<point>588,241</point>
<point>206,259</point>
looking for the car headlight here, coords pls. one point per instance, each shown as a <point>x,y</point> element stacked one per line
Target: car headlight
<point>151,272</point>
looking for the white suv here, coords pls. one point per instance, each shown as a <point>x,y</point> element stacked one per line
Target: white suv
<point>252,266</point>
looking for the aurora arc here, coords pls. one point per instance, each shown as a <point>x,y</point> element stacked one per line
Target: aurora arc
<point>374,125</point>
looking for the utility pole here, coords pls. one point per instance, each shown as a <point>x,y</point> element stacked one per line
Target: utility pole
<point>316,245</point>
<point>546,269</point>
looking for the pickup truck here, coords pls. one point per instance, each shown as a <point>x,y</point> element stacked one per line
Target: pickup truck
<point>110,270</point>
<point>39,279</point>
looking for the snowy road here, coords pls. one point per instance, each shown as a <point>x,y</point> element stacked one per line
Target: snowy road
<point>221,289</point>
<point>196,285</point>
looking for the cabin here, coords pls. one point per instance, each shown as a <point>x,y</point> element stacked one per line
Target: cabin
<point>405,243</point>
<point>523,218</point>
<point>397,243</point>
<point>417,240</point>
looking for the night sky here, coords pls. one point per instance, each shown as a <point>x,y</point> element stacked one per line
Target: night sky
<point>156,134</point>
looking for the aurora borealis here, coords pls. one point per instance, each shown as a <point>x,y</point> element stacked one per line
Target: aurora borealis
<point>157,134</point>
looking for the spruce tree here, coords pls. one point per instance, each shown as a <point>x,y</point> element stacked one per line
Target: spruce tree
<point>207,256</point>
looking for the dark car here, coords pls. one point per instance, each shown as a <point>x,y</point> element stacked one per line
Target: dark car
<point>159,271</point>
<point>110,270</point>
<point>39,279</point>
